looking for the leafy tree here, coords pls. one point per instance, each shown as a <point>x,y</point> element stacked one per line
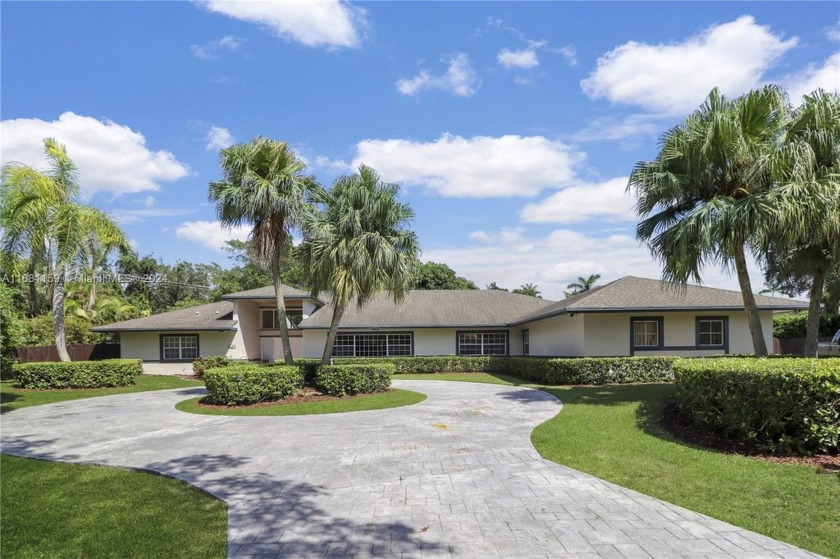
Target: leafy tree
<point>41,218</point>
<point>582,284</point>
<point>698,200</point>
<point>493,287</point>
<point>10,329</point>
<point>436,275</point>
<point>264,186</point>
<point>528,289</point>
<point>358,245</point>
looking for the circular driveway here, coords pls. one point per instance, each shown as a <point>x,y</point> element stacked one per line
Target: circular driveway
<point>455,475</point>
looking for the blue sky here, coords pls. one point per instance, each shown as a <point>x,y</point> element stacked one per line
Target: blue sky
<point>510,126</point>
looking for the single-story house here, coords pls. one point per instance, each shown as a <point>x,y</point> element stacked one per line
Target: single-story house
<point>629,316</point>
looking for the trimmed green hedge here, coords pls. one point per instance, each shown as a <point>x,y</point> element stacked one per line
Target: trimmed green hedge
<point>249,384</point>
<point>341,380</point>
<point>201,364</point>
<point>50,375</point>
<point>780,405</point>
<point>792,325</point>
<point>582,370</point>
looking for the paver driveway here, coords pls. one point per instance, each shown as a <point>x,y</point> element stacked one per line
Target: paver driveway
<point>455,475</point>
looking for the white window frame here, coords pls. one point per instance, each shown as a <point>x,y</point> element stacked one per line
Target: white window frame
<point>658,321</point>
<point>180,347</point>
<point>353,342</point>
<point>710,320</point>
<point>483,344</point>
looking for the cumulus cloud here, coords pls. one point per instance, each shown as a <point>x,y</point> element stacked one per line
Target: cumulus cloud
<point>459,79</point>
<point>110,157</point>
<point>218,138</point>
<point>512,257</point>
<point>570,54</point>
<point>213,49</point>
<point>127,216</point>
<point>477,167</point>
<point>522,59</point>
<point>813,77</point>
<point>211,234</point>
<point>607,201</point>
<point>676,78</point>
<point>314,23</point>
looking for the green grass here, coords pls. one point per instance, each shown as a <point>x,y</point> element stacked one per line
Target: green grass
<point>612,432</point>
<point>49,509</point>
<point>12,398</point>
<point>392,399</point>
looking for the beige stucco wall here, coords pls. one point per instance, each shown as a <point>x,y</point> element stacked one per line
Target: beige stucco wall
<point>608,334</point>
<point>146,345</point>
<point>557,336</point>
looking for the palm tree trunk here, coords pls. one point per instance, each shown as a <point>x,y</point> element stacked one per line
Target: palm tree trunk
<point>812,328</point>
<point>338,312</point>
<point>33,289</point>
<point>750,306</point>
<point>91,302</point>
<point>58,313</point>
<point>281,313</point>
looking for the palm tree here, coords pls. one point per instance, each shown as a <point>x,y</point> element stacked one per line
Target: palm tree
<point>528,289</point>
<point>807,168</point>
<point>358,245</point>
<point>698,200</point>
<point>41,218</point>
<point>264,186</point>
<point>582,284</point>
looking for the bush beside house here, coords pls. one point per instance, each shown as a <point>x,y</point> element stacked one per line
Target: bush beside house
<point>250,384</point>
<point>341,380</point>
<point>77,374</point>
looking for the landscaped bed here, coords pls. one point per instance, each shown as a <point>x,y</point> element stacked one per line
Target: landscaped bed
<point>308,401</point>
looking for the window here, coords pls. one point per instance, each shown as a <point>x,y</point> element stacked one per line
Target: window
<point>711,332</point>
<point>366,344</point>
<point>269,321</point>
<point>178,348</point>
<point>526,342</point>
<point>482,343</point>
<point>646,332</point>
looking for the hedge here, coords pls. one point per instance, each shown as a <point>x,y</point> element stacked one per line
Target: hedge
<point>249,384</point>
<point>201,364</point>
<point>77,374</point>
<point>341,380</point>
<point>582,370</point>
<point>792,325</point>
<point>778,405</point>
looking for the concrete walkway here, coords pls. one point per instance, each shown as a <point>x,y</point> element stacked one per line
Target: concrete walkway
<point>453,476</point>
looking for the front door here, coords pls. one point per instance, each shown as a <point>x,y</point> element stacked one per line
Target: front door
<point>267,350</point>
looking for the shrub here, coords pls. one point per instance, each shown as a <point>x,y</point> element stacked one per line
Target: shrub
<point>308,367</point>
<point>243,384</point>
<point>582,370</point>
<point>780,405</point>
<point>340,380</point>
<point>77,374</point>
<point>792,325</point>
<point>201,364</point>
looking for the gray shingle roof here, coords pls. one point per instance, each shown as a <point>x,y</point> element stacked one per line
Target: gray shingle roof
<point>267,292</point>
<point>434,308</point>
<point>641,294</point>
<point>215,316</point>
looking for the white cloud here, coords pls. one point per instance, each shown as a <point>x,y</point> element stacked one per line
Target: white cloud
<point>218,138</point>
<point>213,49</point>
<point>314,23</point>
<point>632,126</point>
<point>149,201</point>
<point>608,201</point>
<point>480,236</point>
<point>477,167</point>
<point>211,234</point>
<point>676,78</point>
<point>511,258</point>
<point>110,157</point>
<point>570,54</point>
<point>813,77</point>
<point>460,79</point>
<point>522,59</point>
<point>126,216</point>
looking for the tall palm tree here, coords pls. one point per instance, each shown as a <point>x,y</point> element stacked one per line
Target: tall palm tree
<point>265,187</point>
<point>583,284</point>
<point>698,200</point>
<point>41,218</point>
<point>358,245</point>
<point>529,289</point>
<point>807,168</point>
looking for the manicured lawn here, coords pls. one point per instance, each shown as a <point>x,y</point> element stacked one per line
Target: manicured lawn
<point>49,509</point>
<point>12,398</point>
<point>612,432</point>
<point>392,399</point>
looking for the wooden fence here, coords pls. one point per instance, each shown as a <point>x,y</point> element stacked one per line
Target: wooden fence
<point>792,346</point>
<point>78,352</point>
